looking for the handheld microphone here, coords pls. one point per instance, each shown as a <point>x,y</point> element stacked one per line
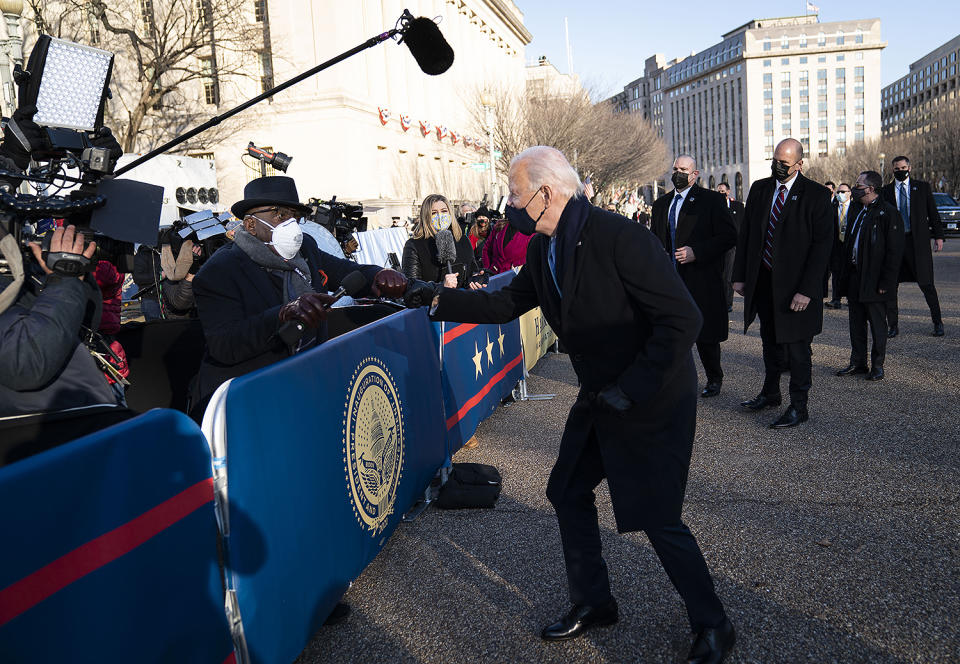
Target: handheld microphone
<point>291,331</point>
<point>446,249</point>
<point>426,43</point>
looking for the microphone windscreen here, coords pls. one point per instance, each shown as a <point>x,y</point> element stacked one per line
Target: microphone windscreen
<point>446,247</point>
<point>353,283</point>
<point>428,47</point>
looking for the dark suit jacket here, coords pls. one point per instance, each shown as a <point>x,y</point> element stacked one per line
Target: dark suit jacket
<point>705,225</point>
<point>625,316</point>
<point>736,212</point>
<point>879,252</point>
<point>924,224</point>
<point>801,249</point>
<point>239,303</point>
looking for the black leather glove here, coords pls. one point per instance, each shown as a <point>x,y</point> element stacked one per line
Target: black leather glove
<point>613,400</point>
<point>389,283</point>
<point>308,308</point>
<point>420,293</point>
<point>22,128</point>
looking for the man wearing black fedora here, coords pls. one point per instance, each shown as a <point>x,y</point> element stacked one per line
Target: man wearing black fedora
<point>271,274</point>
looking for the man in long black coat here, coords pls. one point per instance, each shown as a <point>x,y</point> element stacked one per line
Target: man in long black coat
<point>696,230</point>
<point>611,294</point>
<point>782,253</point>
<point>921,221</point>
<point>871,255</point>
<point>735,208</point>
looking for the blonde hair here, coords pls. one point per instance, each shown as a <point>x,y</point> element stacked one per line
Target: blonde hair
<point>424,226</point>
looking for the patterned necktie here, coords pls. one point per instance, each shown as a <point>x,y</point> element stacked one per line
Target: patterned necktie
<point>672,220</point>
<point>774,218</point>
<point>905,207</point>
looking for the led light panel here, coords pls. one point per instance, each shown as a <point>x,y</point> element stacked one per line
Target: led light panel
<point>72,85</point>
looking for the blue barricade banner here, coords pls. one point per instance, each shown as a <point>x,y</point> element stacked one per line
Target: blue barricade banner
<point>325,452</point>
<point>109,549</point>
<point>481,365</point>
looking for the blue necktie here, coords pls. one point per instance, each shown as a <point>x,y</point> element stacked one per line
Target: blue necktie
<point>552,262</point>
<point>905,207</point>
<point>672,220</point>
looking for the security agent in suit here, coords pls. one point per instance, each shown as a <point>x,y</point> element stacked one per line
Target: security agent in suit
<point>872,253</point>
<point>735,208</point>
<point>696,229</point>
<point>612,295</point>
<point>270,275</point>
<point>921,221</point>
<point>782,253</point>
<point>841,205</point>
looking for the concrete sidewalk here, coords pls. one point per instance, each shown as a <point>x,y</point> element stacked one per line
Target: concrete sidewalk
<point>832,542</point>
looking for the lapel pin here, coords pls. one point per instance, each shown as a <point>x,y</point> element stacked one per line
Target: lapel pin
<point>793,198</point>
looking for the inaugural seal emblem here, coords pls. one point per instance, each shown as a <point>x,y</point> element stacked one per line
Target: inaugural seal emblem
<point>372,443</point>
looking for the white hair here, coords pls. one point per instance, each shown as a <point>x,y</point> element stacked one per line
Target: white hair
<point>546,165</point>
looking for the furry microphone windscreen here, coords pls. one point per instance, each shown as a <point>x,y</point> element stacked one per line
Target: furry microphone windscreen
<point>446,247</point>
<point>428,47</point>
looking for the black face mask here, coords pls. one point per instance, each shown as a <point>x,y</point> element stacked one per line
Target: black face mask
<point>780,172</point>
<point>858,193</point>
<point>680,180</point>
<point>520,219</point>
<point>901,175</point>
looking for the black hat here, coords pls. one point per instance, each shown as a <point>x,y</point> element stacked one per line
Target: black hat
<point>270,190</point>
<point>490,214</point>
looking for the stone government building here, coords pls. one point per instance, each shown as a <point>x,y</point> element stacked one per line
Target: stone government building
<point>729,104</point>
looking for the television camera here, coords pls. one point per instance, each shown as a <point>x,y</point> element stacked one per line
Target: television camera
<point>341,219</point>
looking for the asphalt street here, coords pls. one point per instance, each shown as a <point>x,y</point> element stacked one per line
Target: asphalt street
<point>832,542</point>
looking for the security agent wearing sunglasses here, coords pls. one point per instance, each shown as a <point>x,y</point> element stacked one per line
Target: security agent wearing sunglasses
<point>271,275</point>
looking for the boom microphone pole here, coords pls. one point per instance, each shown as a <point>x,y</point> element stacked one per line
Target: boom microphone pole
<point>421,35</point>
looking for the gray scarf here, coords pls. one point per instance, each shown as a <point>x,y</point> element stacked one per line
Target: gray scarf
<point>294,272</point>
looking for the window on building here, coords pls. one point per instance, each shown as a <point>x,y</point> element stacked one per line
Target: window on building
<point>209,77</point>
<point>266,70</point>
<point>768,78</point>
<point>803,60</point>
<point>147,17</point>
<point>841,58</point>
<point>259,10</point>
<point>822,58</point>
<point>784,42</point>
<point>821,39</point>
<point>766,63</point>
<point>803,40</point>
<point>840,37</point>
<point>785,61</point>
<point>858,36</point>
<point>767,45</point>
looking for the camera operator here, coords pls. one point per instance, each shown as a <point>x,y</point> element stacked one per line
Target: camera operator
<point>180,261</point>
<point>46,372</point>
<point>147,277</point>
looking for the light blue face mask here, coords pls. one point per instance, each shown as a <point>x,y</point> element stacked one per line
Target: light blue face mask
<point>440,221</point>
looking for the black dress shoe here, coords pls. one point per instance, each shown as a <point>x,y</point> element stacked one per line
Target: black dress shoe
<point>791,417</point>
<point>762,401</point>
<point>892,332</point>
<point>937,330</point>
<point>875,374</point>
<point>580,619</point>
<point>339,614</point>
<point>711,646</point>
<point>852,370</point>
<point>712,389</point>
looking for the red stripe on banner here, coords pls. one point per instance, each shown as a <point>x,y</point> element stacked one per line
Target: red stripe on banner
<point>86,558</point>
<point>457,331</point>
<point>478,397</point>
<point>232,659</point>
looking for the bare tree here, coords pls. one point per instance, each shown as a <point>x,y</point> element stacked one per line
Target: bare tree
<point>846,165</point>
<point>173,60</point>
<point>941,159</point>
<point>611,148</point>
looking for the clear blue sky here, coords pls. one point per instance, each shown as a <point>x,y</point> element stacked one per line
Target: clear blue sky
<point>610,39</point>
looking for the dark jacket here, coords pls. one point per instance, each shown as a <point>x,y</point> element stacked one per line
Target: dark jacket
<point>239,305</point>
<point>704,224</point>
<point>625,316</point>
<point>801,250</point>
<point>879,252</point>
<point>420,260</point>
<point>147,272</point>
<point>924,224</point>
<point>736,213</point>
<point>178,299</point>
<point>43,366</point>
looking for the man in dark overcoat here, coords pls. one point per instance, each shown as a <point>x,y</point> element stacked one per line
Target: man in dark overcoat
<point>736,213</point>
<point>782,253</point>
<point>921,222</point>
<point>871,257</point>
<point>696,230</point>
<point>611,294</point>
<point>841,205</point>
<point>247,291</point>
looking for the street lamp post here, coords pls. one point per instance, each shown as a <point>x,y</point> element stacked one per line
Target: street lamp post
<point>12,53</point>
<point>487,100</point>
<point>883,162</point>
